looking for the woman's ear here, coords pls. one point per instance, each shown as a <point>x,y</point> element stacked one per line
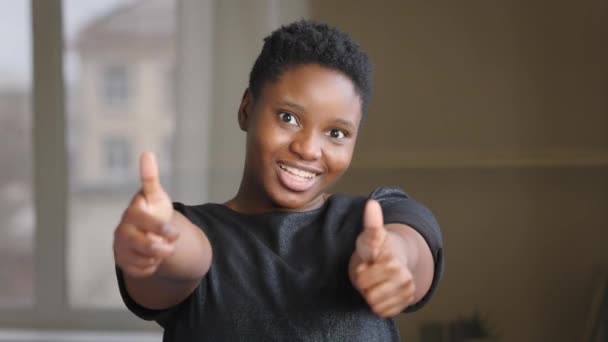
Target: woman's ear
<point>245,110</point>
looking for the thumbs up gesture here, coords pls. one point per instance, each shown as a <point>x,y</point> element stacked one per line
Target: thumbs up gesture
<point>144,236</point>
<point>378,268</point>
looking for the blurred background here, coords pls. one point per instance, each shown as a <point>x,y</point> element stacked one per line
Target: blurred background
<point>494,114</point>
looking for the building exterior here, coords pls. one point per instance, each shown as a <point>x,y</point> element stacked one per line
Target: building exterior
<point>16,201</point>
<point>126,99</point>
<point>123,104</point>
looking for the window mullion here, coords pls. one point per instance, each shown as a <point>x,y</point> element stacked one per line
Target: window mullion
<point>195,35</point>
<point>50,167</point>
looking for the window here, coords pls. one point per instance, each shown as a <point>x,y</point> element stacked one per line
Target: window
<point>16,200</point>
<point>122,45</point>
<point>115,87</point>
<point>117,155</point>
<point>62,276</point>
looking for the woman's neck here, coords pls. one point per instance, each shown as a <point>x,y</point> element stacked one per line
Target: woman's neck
<point>251,201</point>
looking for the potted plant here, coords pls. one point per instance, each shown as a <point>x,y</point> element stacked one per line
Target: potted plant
<point>474,328</point>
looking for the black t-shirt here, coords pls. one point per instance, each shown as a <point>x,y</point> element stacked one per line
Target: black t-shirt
<point>283,276</point>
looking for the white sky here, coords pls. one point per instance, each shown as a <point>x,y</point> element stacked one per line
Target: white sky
<point>15,36</point>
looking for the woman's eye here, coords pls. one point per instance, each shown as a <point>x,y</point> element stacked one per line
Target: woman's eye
<point>288,118</point>
<point>337,134</point>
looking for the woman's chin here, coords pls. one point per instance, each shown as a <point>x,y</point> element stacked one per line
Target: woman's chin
<point>297,201</point>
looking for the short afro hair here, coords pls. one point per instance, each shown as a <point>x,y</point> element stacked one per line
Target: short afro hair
<point>307,41</point>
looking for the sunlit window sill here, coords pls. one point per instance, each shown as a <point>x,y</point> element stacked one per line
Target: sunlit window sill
<point>76,336</point>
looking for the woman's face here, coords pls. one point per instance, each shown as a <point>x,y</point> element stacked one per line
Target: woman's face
<point>301,133</point>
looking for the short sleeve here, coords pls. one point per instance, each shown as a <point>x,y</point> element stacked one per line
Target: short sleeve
<point>162,317</point>
<point>398,207</point>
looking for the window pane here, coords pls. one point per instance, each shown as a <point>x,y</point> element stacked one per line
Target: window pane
<point>115,86</point>
<point>117,157</point>
<point>16,202</point>
<point>119,65</point>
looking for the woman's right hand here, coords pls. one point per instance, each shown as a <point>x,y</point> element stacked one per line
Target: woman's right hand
<point>145,236</point>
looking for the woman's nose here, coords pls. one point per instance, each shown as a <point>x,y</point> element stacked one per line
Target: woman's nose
<point>307,145</point>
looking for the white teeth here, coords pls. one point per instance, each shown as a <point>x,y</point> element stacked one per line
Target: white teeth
<point>297,172</point>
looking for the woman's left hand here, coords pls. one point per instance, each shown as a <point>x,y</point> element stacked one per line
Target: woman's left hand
<point>378,268</point>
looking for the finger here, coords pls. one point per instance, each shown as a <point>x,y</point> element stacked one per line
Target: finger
<point>369,278</point>
<point>137,214</point>
<point>133,259</point>
<point>160,246</point>
<point>373,220</point>
<point>136,259</point>
<point>125,235</point>
<point>381,292</point>
<point>383,309</point>
<point>389,289</point>
<point>148,173</point>
<point>124,255</point>
<point>362,267</point>
<point>372,275</point>
<point>393,306</point>
<point>138,272</point>
<point>146,243</point>
<point>391,311</point>
<point>129,238</point>
<point>372,236</point>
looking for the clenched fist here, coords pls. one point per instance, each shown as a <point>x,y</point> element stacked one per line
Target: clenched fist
<point>144,237</point>
<point>378,269</point>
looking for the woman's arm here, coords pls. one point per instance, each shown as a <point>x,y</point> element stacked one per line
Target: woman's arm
<point>177,275</point>
<point>161,254</point>
<point>410,247</point>
<point>392,266</point>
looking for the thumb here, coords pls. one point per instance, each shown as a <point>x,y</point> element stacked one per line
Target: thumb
<point>373,233</point>
<point>148,174</point>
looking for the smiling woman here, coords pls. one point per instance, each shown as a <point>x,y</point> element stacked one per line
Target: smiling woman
<point>284,259</point>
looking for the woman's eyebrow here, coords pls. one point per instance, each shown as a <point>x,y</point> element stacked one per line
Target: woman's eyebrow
<point>346,123</point>
<point>292,105</point>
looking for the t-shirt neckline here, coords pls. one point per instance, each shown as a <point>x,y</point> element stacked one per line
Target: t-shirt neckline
<point>274,212</point>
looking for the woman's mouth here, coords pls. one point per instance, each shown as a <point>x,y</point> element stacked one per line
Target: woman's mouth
<point>296,179</point>
<point>297,172</point>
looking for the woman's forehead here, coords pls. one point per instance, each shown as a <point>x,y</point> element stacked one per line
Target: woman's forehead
<point>313,87</point>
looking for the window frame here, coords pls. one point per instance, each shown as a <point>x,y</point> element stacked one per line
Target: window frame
<point>51,308</point>
<point>197,27</point>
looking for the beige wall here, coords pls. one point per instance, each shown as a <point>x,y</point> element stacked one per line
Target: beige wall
<point>495,115</point>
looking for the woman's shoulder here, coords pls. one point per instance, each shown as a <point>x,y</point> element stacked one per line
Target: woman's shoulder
<point>386,192</point>
<point>381,193</point>
<point>345,201</point>
<point>204,215</point>
<point>196,208</point>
